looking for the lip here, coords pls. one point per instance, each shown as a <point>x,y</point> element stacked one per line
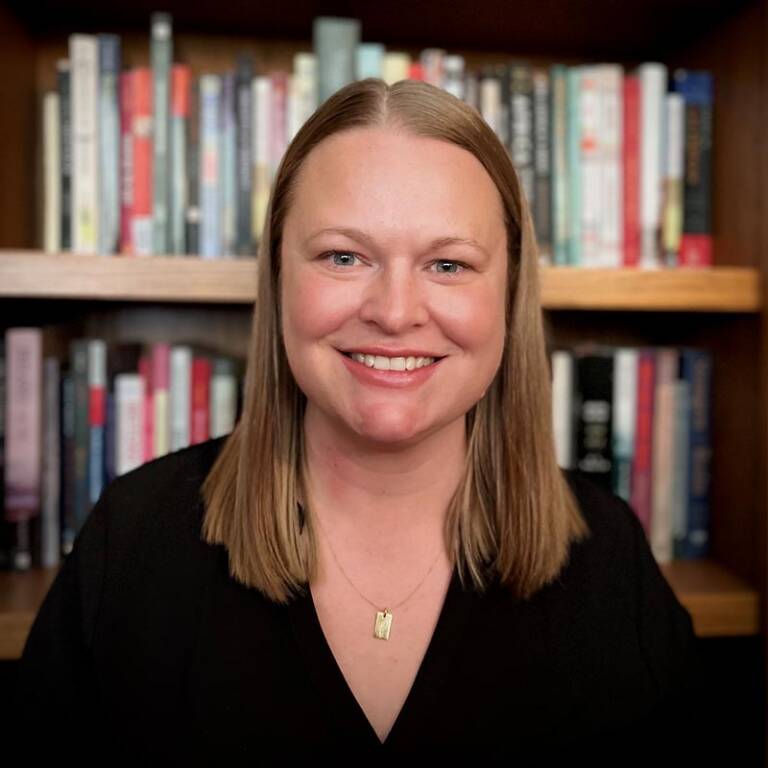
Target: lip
<point>384,352</point>
<point>390,379</point>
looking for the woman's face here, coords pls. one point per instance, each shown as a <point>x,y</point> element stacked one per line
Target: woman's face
<point>394,274</point>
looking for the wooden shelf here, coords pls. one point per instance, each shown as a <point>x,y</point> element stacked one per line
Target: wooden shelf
<point>33,274</point>
<point>720,603</point>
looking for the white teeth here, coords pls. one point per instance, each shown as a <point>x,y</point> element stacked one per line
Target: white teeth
<point>382,363</point>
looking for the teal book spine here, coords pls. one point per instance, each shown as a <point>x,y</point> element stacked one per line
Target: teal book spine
<point>162,55</point>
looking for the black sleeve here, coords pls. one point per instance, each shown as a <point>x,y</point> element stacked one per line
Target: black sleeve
<point>57,699</point>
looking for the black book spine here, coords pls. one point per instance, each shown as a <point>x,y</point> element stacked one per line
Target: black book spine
<point>244,149</point>
<point>65,150</point>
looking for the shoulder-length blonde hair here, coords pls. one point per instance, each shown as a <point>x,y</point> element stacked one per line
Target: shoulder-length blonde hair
<point>513,512</point>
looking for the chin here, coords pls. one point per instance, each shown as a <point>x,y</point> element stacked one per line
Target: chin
<point>390,428</point>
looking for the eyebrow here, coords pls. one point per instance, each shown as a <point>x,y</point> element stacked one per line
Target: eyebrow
<point>366,239</point>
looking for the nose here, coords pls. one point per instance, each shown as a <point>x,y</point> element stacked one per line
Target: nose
<point>394,299</point>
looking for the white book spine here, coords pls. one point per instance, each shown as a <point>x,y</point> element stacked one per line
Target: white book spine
<point>129,422</point>
<point>490,104</point>
<point>653,87</point>
<point>51,173</point>
<point>305,87</point>
<point>83,54</point>
<point>624,417</point>
<point>396,67</point>
<point>180,392</point>
<point>590,155</point>
<point>223,404</point>
<point>672,221</point>
<point>612,195</point>
<point>262,177</point>
<point>562,406</point>
<point>454,76</point>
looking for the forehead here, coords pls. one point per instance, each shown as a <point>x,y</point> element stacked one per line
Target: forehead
<point>395,184</point>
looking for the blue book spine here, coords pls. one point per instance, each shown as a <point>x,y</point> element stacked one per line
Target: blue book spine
<point>573,99</point>
<point>696,369</point>
<point>210,208</point>
<point>228,166</point>
<point>97,374</point>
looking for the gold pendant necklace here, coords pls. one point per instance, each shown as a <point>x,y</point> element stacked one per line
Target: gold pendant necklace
<point>383,622</point>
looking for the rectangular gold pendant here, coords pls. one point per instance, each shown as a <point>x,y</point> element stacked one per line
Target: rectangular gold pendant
<point>383,624</point>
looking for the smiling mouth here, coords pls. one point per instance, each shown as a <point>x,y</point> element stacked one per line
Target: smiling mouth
<point>381,363</point>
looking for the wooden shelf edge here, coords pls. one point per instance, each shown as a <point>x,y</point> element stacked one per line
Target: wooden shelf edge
<point>721,604</point>
<point>233,281</point>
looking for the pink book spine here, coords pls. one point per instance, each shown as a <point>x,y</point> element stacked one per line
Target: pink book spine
<point>23,450</point>
<point>201,384</point>
<point>279,131</point>
<point>145,370</point>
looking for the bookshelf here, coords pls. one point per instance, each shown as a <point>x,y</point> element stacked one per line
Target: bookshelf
<point>722,308</point>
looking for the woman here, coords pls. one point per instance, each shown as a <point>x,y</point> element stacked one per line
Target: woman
<point>383,558</point>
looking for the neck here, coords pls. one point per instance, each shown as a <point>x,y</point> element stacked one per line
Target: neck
<point>378,492</point>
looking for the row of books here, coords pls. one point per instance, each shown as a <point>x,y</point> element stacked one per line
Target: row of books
<point>638,421</point>
<point>76,413</point>
<point>158,160</point>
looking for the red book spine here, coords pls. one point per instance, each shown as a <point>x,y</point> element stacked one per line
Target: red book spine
<point>201,385</point>
<point>631,170</point>
<point>141,236</point>
<point>695,250</point>
<point>145,370</point>
<point>180,90</point>
<point>126,162</point>
<point>642,480</point>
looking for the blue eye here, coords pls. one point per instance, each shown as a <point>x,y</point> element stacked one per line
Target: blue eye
<point>449,267</point>
<point>342,258</point>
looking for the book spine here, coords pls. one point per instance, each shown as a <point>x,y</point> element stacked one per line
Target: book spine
<point>680,465</point>
<point>521,114</point>
<point>395,67</point>
<point>201,404</point>
<point>193,171</point>
<point>180,93</point>
<point>51,173</point>
<point>23,447</point>
<point>573,125</point>
<point>305,80</point>
<point>210,172</point>
<point>162,57</point>
<point>542,152</point>
<point>109,144</point>
<point>559,146</point>
<point>141,236</point>
<point>562,406</point>
<point>653,87</point>
<point>145,371</point>
<point>97,387</point>
<point>642,469</point>
<point>68,514</point>
<point>228,167</point>
<point>624,420</point>
<point>611,182</point>
<point>179,395</point>
<point>109,436</point>
<point>696,367</point>
<point>50,555</point>
<point>663,453</point>
<point>160,396</point>
<point>126,162</point>
<point>129,420</point>
<point>63,83</point>
<point>590,165</point>
<point>696,242</point>
<point>335,42</point>
<point>631,180</point>
<point>262,181</point>
<point>244,127</point>
<point>491,101</point>
<point>455,69</point>
<point>84,54</point>
<point>672,218</point>
<point>278,130</point>
<point>223,397</point>
<point>594,417</point>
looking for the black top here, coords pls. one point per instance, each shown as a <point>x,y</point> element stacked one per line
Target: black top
<point>145,648</point>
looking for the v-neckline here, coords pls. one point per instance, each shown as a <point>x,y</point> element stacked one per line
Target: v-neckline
<point>351,721</point>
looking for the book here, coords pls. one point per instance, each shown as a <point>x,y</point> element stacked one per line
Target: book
<point>334,41</point>
<point>109,141</point>
<point>161,52</point>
